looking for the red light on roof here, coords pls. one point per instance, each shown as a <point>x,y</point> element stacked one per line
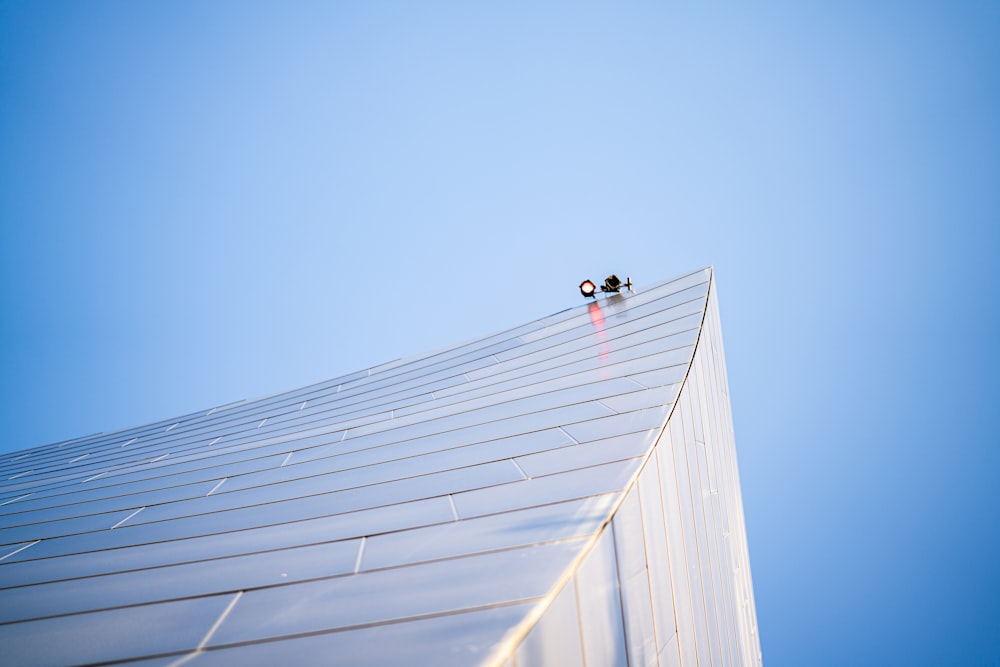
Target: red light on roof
<point>588,288</point>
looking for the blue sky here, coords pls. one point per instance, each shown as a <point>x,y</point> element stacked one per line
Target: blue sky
<point>204,202</point>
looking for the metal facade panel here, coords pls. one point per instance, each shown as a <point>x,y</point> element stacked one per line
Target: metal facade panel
<point>681,566</point>
<point>429,508</point>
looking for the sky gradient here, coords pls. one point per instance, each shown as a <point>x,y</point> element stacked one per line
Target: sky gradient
<point>205,202</point>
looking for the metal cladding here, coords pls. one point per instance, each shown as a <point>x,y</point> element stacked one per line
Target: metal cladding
<point>563,492</point>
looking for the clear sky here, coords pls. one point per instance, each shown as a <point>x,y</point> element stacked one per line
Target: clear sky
<point>207,201</point>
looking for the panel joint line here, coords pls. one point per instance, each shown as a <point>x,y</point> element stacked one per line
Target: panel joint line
<point>216,487</point>
<point>634,381</point>
<point>17,551</point>
<point>218,621</point>
<point>127,518</point>
<point>14,500</point>
<point>361,552</point>
<point>566,433</point>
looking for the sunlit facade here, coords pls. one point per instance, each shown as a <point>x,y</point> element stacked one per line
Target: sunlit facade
<point>564,492</point>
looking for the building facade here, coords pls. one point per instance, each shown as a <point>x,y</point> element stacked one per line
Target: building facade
<point>565,492</point>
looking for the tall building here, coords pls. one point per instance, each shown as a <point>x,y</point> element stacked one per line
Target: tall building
<point>561,493</point>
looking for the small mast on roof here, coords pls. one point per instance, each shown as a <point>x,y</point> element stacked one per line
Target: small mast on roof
<point>611,284</point>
